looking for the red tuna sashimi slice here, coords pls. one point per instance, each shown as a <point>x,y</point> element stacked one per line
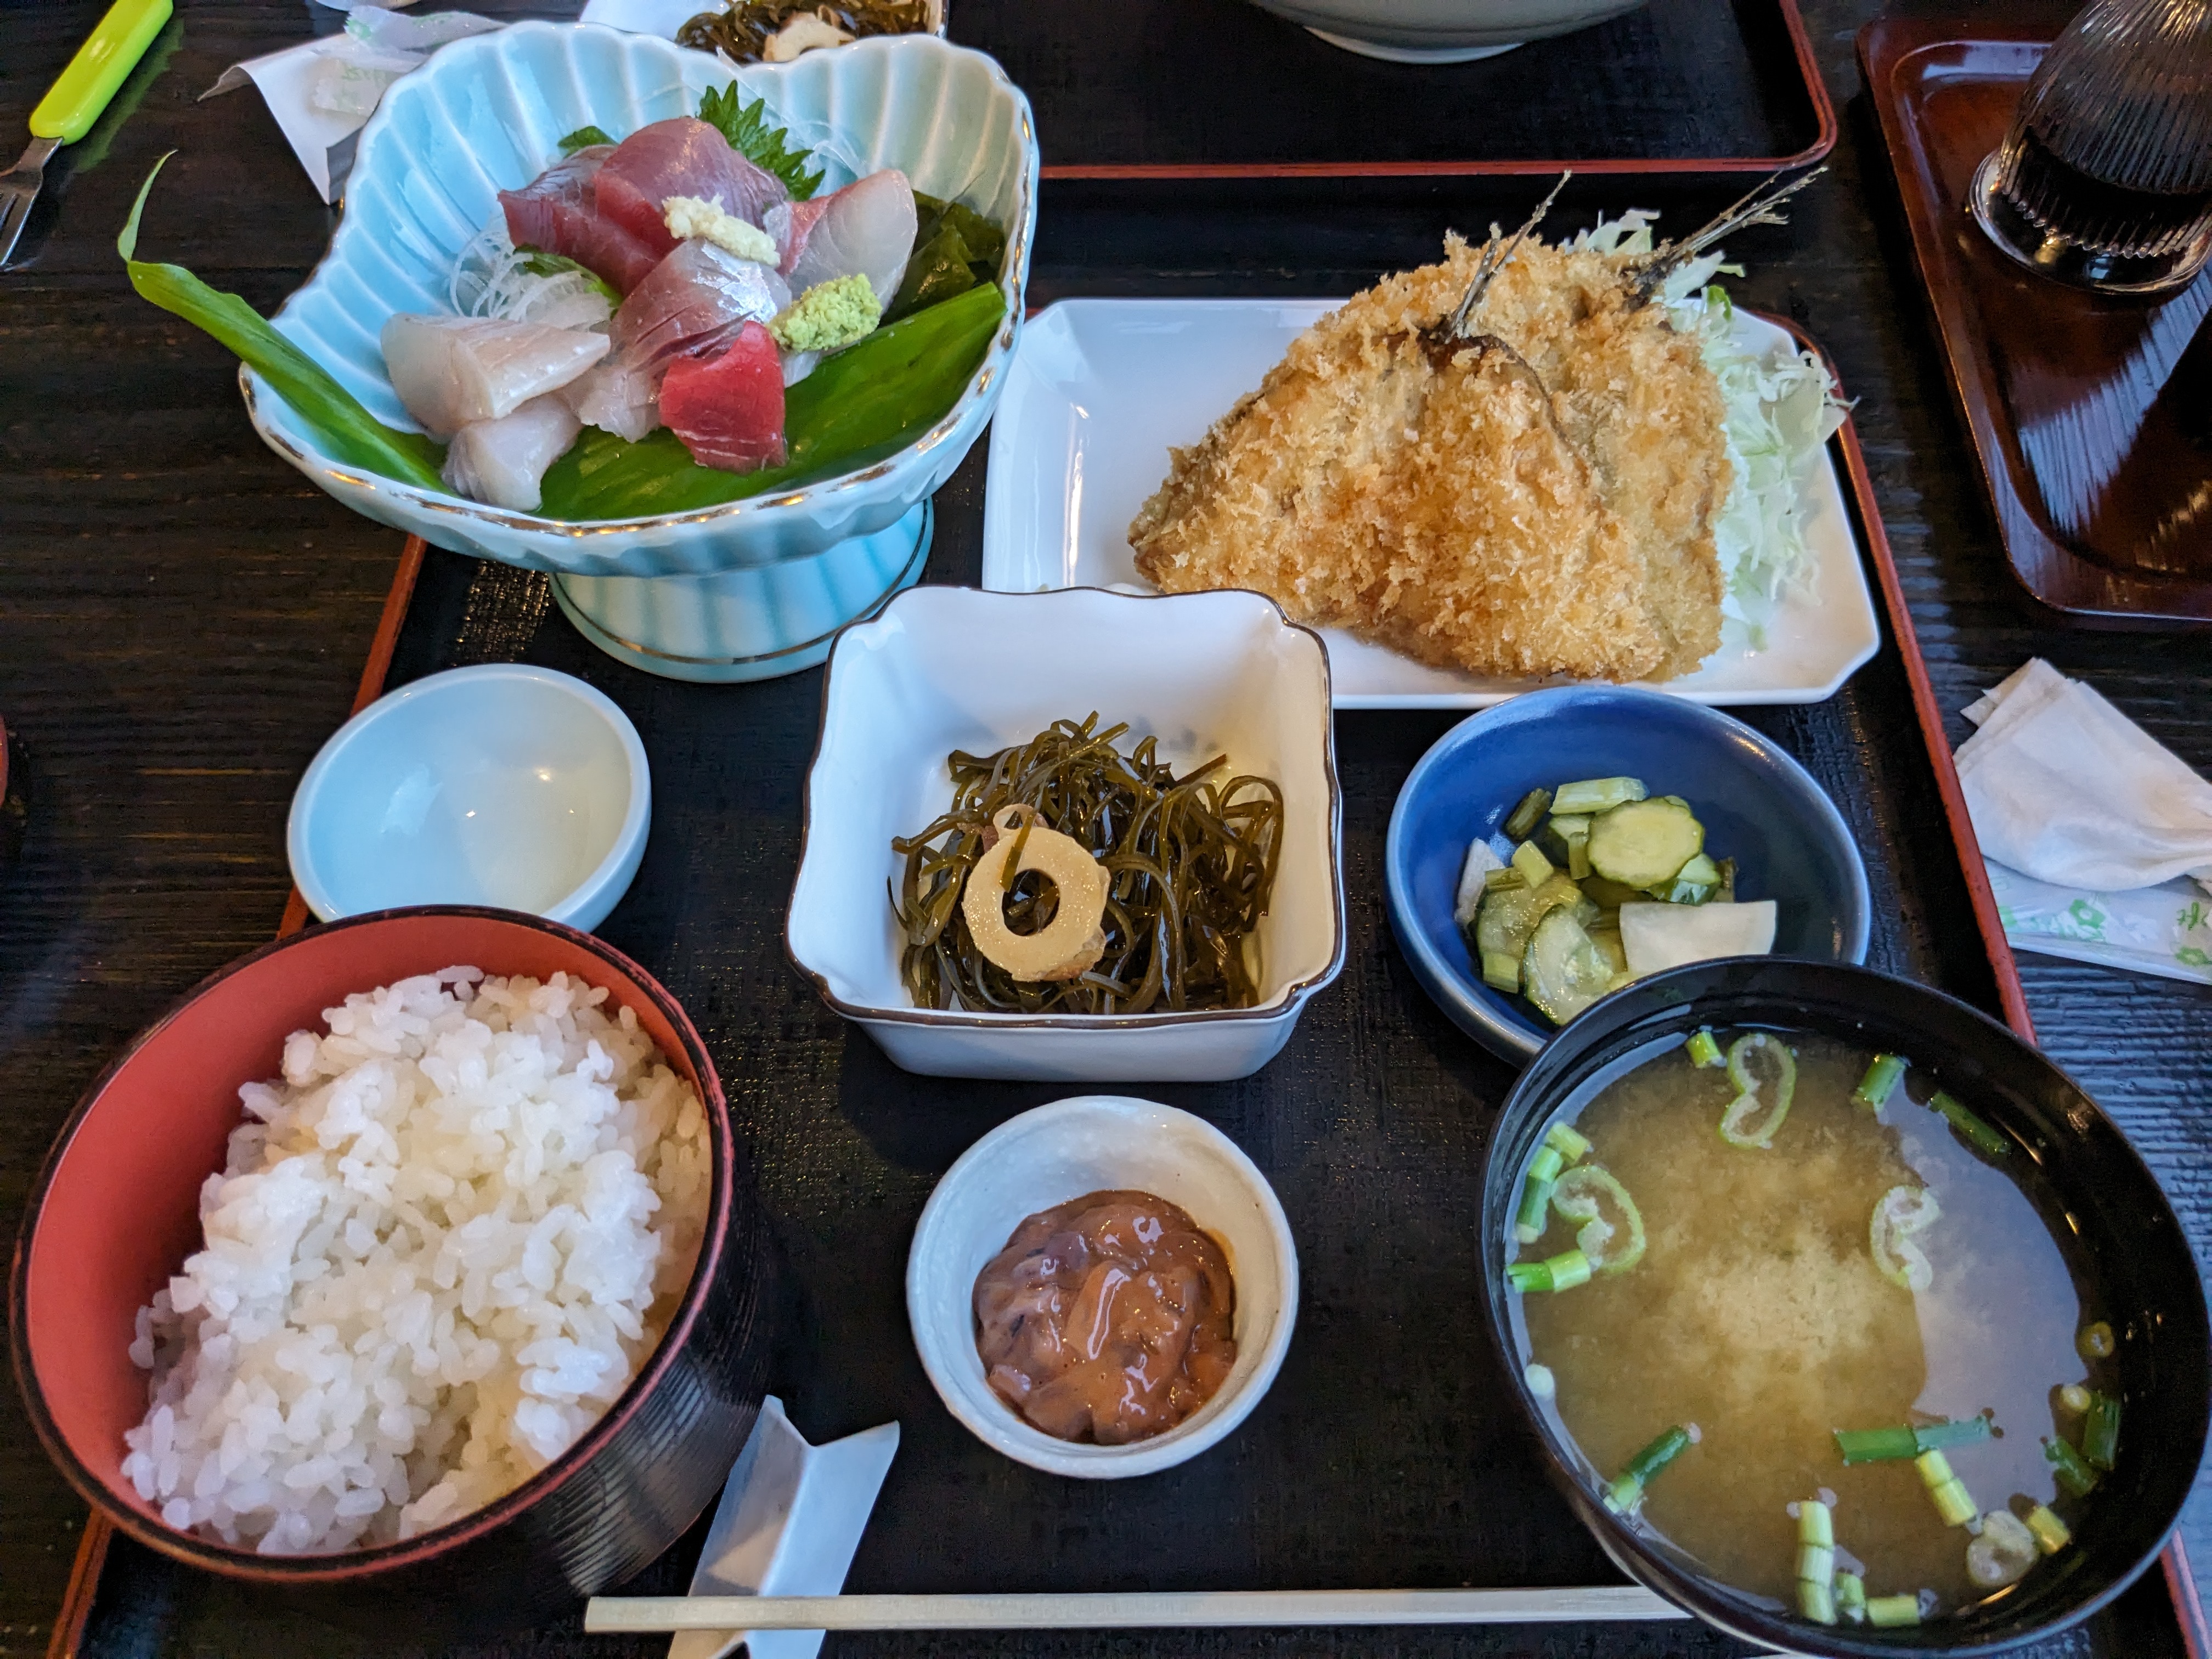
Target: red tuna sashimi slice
<point>866,230</point>
<point>728,409</point>
<point>557,212</point>
<point>692,305</point>
<point>680,157</point>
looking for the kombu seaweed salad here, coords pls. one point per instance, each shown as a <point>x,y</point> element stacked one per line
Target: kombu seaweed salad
<point>858,407</point>
<point>1190,861</point>
<point>745,28</point>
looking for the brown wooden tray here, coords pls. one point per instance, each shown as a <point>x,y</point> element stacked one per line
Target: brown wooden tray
<point>2088,415</point>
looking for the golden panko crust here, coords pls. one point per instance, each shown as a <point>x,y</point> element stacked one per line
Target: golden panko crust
<point>1458,507</point>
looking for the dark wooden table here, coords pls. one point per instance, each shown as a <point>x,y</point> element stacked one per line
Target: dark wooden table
<point>182,621</point>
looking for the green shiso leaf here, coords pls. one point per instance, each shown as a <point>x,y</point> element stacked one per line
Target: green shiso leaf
<point>745,125</point>
<point>584,138</point>
<point>855,409</point>
<point>955,248</point>
<point>333,417</point>
<point>935,272</point>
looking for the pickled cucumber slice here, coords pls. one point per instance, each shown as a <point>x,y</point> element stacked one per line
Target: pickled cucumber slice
<point>1612,895</point>
<point>1535,869</point>
<point>1607,941</point>
<point>1564,971</point>
<point>1521,822</point>
<point>1644,842</point>
<point>1694,883</point>
<point>1596,795</point>
<point>1508,916</point>
<point>1559,836</point>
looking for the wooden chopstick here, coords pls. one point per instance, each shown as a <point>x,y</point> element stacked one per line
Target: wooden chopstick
<point>612,1614</point>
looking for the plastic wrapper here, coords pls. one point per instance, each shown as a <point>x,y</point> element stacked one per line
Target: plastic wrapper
<point>2164,930</point>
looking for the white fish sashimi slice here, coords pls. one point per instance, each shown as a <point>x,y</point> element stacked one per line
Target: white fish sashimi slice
<point>619,396</point>
<point>568,302</point>
<point>503,462</point>
<point>452,372</point>
<point>866,228</point>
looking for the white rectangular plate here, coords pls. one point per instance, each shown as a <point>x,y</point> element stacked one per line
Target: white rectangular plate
<point>1098,389</point>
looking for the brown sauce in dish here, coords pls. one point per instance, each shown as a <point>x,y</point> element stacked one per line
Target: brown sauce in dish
<point>1108,1318</point>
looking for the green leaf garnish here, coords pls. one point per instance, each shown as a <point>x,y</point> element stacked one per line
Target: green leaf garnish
<point>583,138</point>
<point>955,248</point>
<point>332,416</point>
<point>745,125</point>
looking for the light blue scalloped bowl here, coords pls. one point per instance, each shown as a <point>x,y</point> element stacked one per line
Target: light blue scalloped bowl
<point>737,592</point>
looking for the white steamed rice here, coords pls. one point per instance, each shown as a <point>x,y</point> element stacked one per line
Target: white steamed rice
<point>446,1239</point>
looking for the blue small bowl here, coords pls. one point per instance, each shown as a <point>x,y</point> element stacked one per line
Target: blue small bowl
<point>504,785</point>
<point>1759,806</point>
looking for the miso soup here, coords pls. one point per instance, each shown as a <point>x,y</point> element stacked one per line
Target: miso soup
<point>1749,1260</point>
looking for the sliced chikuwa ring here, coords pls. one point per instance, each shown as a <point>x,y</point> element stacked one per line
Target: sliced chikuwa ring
<point>1074,940</point>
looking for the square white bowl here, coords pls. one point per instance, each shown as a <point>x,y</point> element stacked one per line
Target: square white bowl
<point>947,668</point>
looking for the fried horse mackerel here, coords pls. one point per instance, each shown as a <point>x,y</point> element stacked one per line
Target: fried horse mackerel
<point>1511,463</point>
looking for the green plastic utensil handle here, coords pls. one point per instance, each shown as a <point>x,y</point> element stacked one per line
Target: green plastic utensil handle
<point>75,100</point>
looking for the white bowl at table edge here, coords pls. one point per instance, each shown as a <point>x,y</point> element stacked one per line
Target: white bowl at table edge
<point>962,1228</point>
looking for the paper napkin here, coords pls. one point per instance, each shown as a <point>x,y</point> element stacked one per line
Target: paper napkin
<point>322,91</point>
<point>2099,840</point>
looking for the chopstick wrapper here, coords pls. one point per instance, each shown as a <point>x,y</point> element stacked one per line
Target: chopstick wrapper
<point>2098,839</point>
<point>322,91</point>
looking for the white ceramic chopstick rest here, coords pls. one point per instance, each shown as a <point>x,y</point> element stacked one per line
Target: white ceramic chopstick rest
<point>789,1523</point>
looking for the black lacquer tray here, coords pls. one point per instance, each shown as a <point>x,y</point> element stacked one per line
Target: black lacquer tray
<point>1385,1455</point>
<point>1186,90</point>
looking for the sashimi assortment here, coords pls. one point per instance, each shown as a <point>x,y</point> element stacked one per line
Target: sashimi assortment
<point>686,277</point>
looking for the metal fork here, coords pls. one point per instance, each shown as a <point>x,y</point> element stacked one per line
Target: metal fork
<point>19,189</point>
<point>74,101</point>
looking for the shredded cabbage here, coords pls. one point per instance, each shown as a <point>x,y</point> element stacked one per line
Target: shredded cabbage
<point>1781,411</point>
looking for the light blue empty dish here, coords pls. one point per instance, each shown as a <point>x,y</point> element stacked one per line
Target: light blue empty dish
<point>504,785</point>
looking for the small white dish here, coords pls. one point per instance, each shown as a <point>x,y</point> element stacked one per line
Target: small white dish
<point>1097,1143</point>
<point>504,785</point>
<point>1099,389</point>
<point>947,668</point>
